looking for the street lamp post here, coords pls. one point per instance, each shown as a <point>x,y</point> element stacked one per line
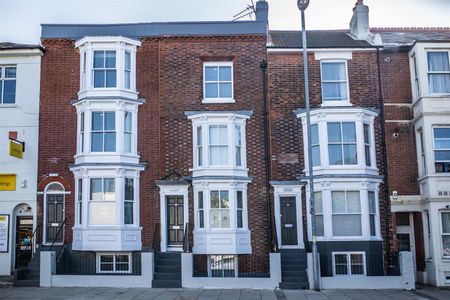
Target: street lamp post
<point>302,5</point>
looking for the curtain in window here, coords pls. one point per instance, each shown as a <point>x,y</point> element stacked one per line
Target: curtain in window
<point>334,81</point>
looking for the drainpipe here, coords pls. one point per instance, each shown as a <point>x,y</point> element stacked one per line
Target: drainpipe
<point>387,204</point>
<point>263,66</point>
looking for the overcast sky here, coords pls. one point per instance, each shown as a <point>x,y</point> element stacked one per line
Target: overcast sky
<point>20,19</point>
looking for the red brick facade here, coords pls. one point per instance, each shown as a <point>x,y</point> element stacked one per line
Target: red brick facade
<point>169,77</point>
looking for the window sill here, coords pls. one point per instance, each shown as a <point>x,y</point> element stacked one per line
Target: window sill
<point>218,100</point>
<point>332,103</point>
<point>12,105</point>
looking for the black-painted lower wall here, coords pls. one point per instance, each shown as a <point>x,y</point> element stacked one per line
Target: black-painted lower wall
<point>373,250</point>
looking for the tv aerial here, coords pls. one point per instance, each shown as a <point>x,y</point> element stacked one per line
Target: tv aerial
<point>248,11</point>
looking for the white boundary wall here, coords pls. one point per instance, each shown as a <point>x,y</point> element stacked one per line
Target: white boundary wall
<point>48,278</point>
<point>405,281</point>
<point>188,281</point>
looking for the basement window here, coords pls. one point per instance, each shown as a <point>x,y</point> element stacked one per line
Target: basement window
<point>349,263</point>
<point>114,263</point>
<point>222,265</point>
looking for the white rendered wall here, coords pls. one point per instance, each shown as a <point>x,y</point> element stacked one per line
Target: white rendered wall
<point>23,117</point>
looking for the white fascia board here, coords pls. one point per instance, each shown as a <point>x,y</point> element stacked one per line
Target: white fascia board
<point>21,52</point>
<point>298,50</point>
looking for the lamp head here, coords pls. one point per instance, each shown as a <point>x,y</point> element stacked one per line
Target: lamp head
<point>302,4</point>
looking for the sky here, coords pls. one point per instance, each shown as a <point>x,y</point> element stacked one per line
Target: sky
<point>20,19</point>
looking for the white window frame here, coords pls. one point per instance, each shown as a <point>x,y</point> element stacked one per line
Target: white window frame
<point>90,200</point>
<point>127,72</point>
<point>2,84</point>
<point>347,213</point>
<point>114,255</point>
<point>218,99</point>
<point>219,145</point>
<point>128,132</point>
<point>103,131</point>
<point>434,149</point>
<point>343,102</point>
<point>235,262</point>
<point>105,69</point>
<point>349,264</point>
<point>342,143</point>
<point>221,209</point>
<point>436,72</point>
<point>79,208</point>
<point>441,234</point>
<point>133,201</point>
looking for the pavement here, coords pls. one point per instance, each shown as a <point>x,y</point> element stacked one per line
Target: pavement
<point>191,294</point>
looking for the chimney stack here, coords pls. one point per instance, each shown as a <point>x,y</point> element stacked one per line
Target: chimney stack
<point>359,24</point>
<point>262,11</point>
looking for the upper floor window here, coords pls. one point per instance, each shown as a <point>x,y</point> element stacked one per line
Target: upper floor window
<point>334,81</point>
<point>103,136</point>
<point>342,143</point>
<point>104,69</point>
<point>445,234</point>
<point>367,144</point>
<point>218,145</point>
<point>318,214</point>
<point>218,82</point>
<point>438,72</point>
<point>7,85</point>
<point>315,145</point>
<point>128,201</point>
<point>107,66</point>
<point>442,149</point>
<point>127,132</point>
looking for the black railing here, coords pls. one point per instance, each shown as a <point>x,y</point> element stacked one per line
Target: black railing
<point>57,234</point>
<point>186,244</point>
<point>156,238</point>
<point>87,263</point>
<point>305,240</point>
<point>248,266</point>
<point>275,245</point>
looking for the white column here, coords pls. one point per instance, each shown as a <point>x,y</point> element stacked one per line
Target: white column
<point>120,195</point>
<point>89,65</point>
<point>85,199</point>
<point>365,220</point>
<point>120,115</point>
<point>87,131</point>
<point>360,151</point>
<point>327,214</point>
<point>136,205</point>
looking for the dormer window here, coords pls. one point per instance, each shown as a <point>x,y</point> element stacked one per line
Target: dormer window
<point>104,69</point>
<point>107,67</point>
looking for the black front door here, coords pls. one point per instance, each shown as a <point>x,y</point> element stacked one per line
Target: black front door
<point>24,245</point>
<point>55,218</point>
<point>175,220</point>
<point>288,221</point>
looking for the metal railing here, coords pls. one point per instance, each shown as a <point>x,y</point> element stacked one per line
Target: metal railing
<point>186,244</point>
<point>275,245</point>
<point>156,240</point>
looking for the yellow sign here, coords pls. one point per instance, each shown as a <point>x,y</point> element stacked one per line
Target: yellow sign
<point>15,149</point>
<point>7,182</point>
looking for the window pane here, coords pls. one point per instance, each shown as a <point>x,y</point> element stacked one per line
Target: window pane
<point>127,142</point>
<point>333,71</point>
<point>127,60</point>
<point>334,90</point>
<point>353,202</point>
<point>225,73</point>
<point>99,78</point>
<point>347,225</point>
<point>314,134</point>
<point>199,136</point>
<point>99,59</point>
<point>348,132</point>
<point>338,202</point>
<point>223,135</point>
<point>224,200</point>
<point>211,90</point>
<point>438,61</point>
<point>225,218</point>
<point>319,225</point>
<point>239,199</point>
<point>211,73</point>
<point>367,155</point>
<point>445,222</point>
<point>372,207</point>
<point>439,83</point>
<point>214,198</point>
<point>127,78</point>
<point>440,133</point>
<point>446,245</point>
<point>334,132</point>
<point>442,155</point>
<point>224,155</point>
<point>318,208</point>
<point>340,263</point>
<point>129,189</point>
<point>109,188</point>
<point>110,121</point>
<point>214,155</point>
<point>366,134</point>
<point>97,142</point>
<point>239,219</point>
<point>96,189</point>
<point>97,121</point>
<point>110,78</point>
<point>350,157</point>
<point>335,154</point>
<point>10,72</point>
<point>316,155</point>
<point>225,90</point>
<point>372,225</point>
<point>215,218</point>
<point>110,59</point>
<point>200,200</point>
<point>201,219</point>
<point>110,142</point>
<point>128,212</point>
<point>442,144</point>
<point>9,92</point>
<point>214,135</point>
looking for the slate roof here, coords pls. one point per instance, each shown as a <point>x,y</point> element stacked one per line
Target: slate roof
<point>14,46</point>
<point>315,39</point>
<point>409,36</point>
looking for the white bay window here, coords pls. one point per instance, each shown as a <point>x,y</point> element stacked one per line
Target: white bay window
<point>438,72</point>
